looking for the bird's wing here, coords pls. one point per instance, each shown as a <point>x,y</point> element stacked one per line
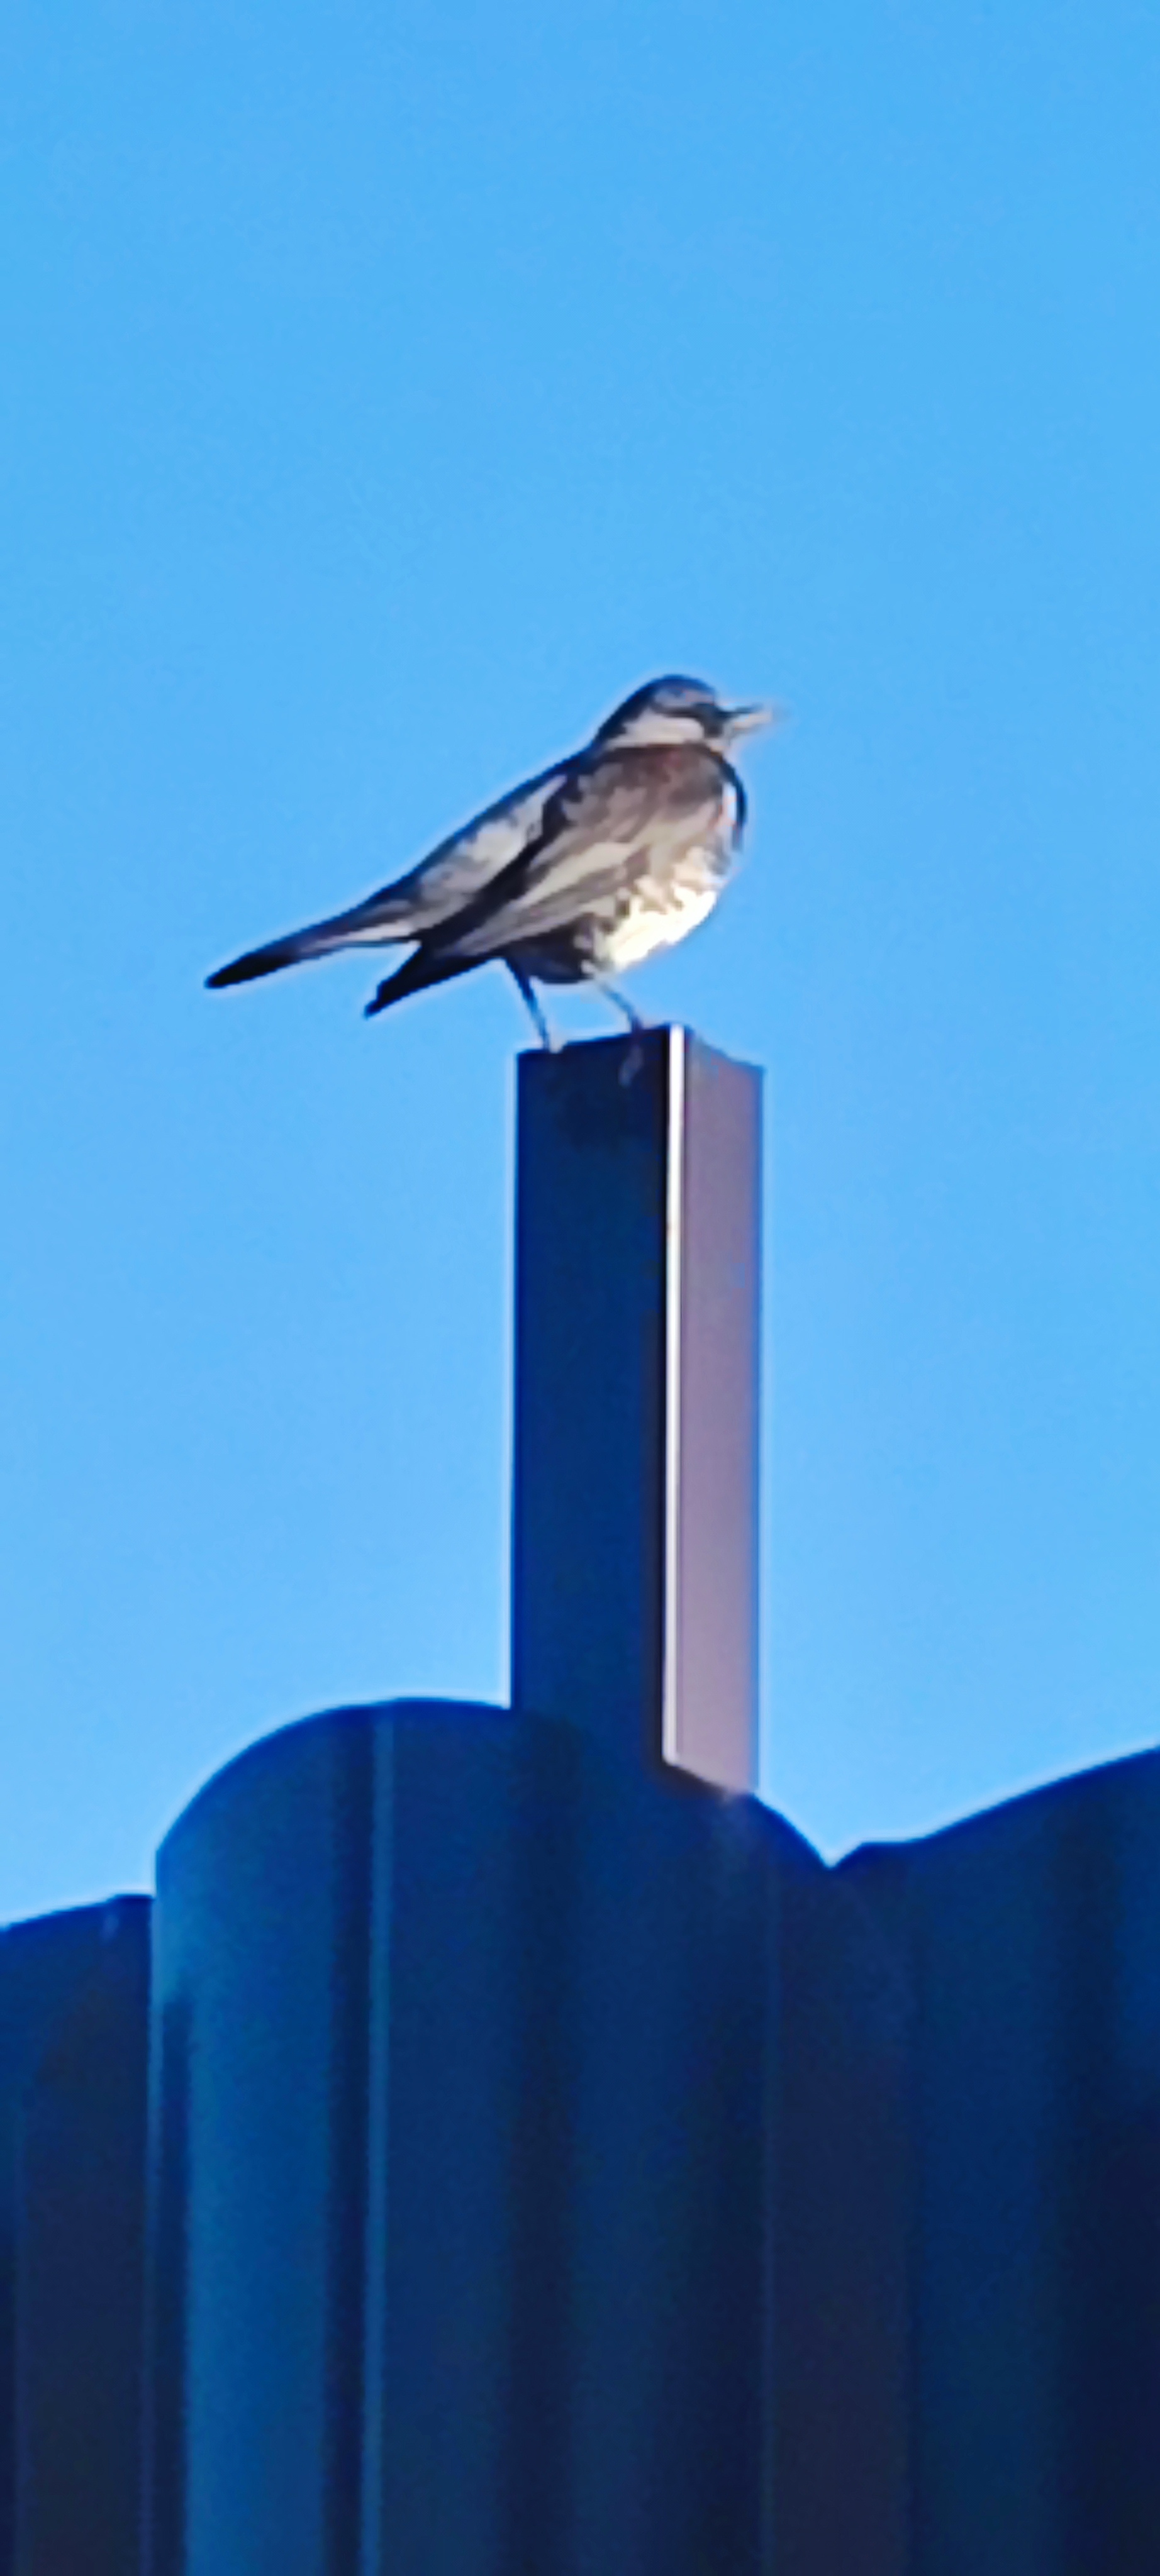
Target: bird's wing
<point>456,871</point>
<point>612,818</point>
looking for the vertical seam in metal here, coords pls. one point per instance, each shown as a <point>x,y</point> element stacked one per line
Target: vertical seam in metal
<point>515,1649</point>
<point>674,1318</point>
<point>349,1761</point>
<point>376,2322</point>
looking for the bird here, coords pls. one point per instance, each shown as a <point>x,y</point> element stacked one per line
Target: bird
<point>575,876</point>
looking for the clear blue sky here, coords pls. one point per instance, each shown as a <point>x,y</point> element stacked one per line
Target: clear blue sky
<point>384,392</point>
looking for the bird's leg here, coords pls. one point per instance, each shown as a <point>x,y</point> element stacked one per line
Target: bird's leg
<point>531,997</point>
<point>635,1057</point>
<point>620,1002</point>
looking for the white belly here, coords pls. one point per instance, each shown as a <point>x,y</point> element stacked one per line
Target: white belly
<point>653,925</point>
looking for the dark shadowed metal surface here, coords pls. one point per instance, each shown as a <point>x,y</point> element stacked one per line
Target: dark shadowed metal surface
<point>840,2185</point>
<point>462,2073</point>
<point>1031,1938</point>
<point>636,1411</point>
<point>74,2011</point>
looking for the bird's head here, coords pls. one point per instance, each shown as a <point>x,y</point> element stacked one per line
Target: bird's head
<point>674,710</point>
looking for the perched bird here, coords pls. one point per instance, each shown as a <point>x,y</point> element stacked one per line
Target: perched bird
<point>615,853</point>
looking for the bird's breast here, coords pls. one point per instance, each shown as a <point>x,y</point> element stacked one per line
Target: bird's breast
<point>658,914</point>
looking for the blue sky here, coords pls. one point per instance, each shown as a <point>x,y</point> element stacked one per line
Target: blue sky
<point>384,393</point>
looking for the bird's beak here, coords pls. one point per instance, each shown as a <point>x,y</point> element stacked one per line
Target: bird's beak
<point>753,719</point>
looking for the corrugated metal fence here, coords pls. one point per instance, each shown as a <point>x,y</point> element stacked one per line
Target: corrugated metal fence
<point>557,2169</point>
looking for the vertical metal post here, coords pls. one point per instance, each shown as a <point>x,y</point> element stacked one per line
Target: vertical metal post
<point>636,1399</point>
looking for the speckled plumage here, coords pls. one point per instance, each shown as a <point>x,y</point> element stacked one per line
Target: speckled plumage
<point>577,875</point>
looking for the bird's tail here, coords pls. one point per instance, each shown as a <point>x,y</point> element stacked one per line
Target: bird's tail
<point>377,923</point>
<point>320,939</point>
<point>266,961</point>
